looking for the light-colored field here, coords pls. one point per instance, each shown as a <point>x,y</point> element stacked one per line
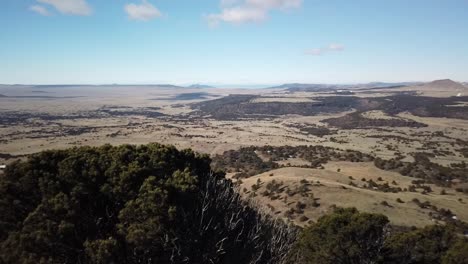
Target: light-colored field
<point>377,114</point>
<point>334,189</point>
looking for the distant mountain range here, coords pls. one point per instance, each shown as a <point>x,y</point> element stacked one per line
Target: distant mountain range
<point>294,87</point>
<point>1,95</point>
<point>199,86</point>
<point>445,84</point>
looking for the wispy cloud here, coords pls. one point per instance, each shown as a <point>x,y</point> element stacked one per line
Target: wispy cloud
<point>144,11</point>
<point>335,47</point>
<point>330,48</point>
<point>70,7</point>
<point>245,11</point>
<point>40,10</point>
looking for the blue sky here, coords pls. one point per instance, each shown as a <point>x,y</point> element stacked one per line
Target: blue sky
<point>232,41</point>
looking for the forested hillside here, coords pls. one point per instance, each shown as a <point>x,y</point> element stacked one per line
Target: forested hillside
<point>156,204</point>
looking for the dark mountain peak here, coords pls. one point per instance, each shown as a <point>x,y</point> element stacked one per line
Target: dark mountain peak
<point>443,81</point>
<point>445,84</point>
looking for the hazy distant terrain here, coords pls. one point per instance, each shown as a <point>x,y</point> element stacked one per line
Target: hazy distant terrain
<point>414,136</point>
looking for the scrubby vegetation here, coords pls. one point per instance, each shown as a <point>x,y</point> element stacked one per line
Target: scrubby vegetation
<point>356,120</point>
<point>314,130</point>
<point>246,162</point>
<point>242,106</point>
<point>423,168</point>
<point>384,187</point>
<point>427,106</point>
<point>16,117</point>
<point>464,152</point>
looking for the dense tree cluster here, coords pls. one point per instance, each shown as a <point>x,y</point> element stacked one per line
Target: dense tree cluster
<point>345,236</point>
<point>245,162</point>
<point>129,204</point>
<point>235,107</point>
<point>426,106</point>
<point>348,236</point>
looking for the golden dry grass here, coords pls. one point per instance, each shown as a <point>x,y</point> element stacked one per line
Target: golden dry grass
<point>334,189</point>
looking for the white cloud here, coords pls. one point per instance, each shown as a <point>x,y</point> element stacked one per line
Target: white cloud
<point>70,7</point>
<point>237,15</point>
<point>335,47</point>
<point>40,10</point>
<point>143,12</point>
<point>245,11</point>
<point>329,48</point>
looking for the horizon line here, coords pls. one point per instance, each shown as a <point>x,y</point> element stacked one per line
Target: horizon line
<point>217,85</point>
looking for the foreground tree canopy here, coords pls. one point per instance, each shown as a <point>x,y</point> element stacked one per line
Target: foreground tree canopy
<point>155,204</point>
<point>128,204</point>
